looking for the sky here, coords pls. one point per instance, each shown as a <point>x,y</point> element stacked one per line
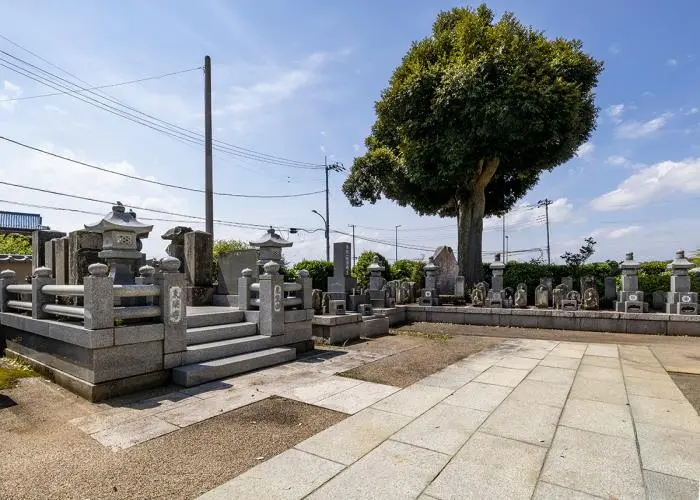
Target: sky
<point>298,80</point>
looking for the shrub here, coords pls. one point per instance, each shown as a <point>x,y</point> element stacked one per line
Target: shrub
<point>319,270</point>
<point>409,270</point>
<point>225,246</point>
<point>15,244</point>
<point>359,272</point>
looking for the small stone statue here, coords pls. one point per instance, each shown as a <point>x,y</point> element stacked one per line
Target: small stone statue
<point>508,295</point>
<point>591,299</point>
<point>558,295</point>
<point>521,295</point>
<point>478,296</point>
<point>574,295</point>
<point>325,302</point>
<point>317,301</point>
<point>542,297</point>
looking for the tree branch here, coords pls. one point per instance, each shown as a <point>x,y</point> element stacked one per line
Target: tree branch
<point>485,174</point>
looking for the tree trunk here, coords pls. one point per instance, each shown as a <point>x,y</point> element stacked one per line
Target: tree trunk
<point>470,219</point>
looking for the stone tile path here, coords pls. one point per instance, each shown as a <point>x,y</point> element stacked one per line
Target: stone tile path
<point>543,420</point>
<point>309,380</point>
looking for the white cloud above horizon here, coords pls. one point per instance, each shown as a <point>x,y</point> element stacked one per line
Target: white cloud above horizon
<point>637,130</point>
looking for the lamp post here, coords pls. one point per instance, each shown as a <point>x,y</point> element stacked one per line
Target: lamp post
<point>396,228</point>
<point>505,257</point>
<point>328,241</point>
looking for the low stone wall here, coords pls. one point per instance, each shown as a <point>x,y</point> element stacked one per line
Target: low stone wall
<point>596,321</point>
<point>96,364</point>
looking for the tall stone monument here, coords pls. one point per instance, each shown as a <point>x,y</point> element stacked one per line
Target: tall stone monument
<point>430,295</point>
<point>448,269</point>
<point>340,284</point>
<point>680,300</point>
<point>199,268</point>
<point>630,298</point>
<point>495,296</point>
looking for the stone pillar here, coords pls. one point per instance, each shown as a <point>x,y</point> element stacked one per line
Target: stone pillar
<point>610,288</point>
<point>271,320</point>
<point>42,276</point>
<point>146,277</point>
<point>460,287</point>
<point>630,298</point>
<point>50,256</point>
<point>7,277</point>
<point>39,239</point>
<point>99,298</point>
<point>569,282</point>
<point>199,268</point>
<point>680,300</point>
<point>306,289</point>
<point>83,250</point>
<point>244,283</point>
<point>173,311</point>
<point>61,263</point>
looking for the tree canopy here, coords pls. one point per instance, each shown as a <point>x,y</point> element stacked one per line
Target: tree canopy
<point>15,244</point>
<point>471,118</point>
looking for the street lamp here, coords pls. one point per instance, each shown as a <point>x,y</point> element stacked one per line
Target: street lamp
<point>397,242</point>
<point>505,257</point>
<point>328,241</point>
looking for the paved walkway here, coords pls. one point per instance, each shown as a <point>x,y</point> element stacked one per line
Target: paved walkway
<point>541,420</point>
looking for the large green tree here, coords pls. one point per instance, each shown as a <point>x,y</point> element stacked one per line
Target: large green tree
<point>471,118</point>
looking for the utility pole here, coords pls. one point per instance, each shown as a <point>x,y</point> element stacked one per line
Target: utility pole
<point>504,237</point>
<point>545,203</point>
<point>328,217</point>
<point>208,155</point>
<point>397,243</point>
<point>354,259</point>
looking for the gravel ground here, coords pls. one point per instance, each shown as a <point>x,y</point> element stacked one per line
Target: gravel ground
<point>44,456</point>
<point>690,386</point>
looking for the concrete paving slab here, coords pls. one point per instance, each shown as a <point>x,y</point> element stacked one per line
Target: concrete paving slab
<point>602,361</point>
<point>603,350</point>
<point>349,440</point>
<point>678,415</point>
<point>132,433</point>
<point>556,361</point>
<point>470,474</point>
<point>662,486</point>
<point>484,397</point>
<point>610,392</point>
<point>669,451</point>
<point>518,362</point>
<point>478,364</point>
<point>601,465</point>
<point>552,375</point>
<point>292,474</point>
<point>358,398</point>
<point>414,400</point>
<point>569,350</point>
<point>524,421</point>
<point>317,390</point>
<point>532,352</point>
<point>443,428</point>
<point>654,388</point>
<point>452,378</point>
<point>683,360</point>
<point>596,416</point>
<point>547,491</point>
<point>535,343</point>
<point>599,373</point>
<point>497,375</point>
<point>543,393</point>
<point>392,470</point>
<point>194,412</point>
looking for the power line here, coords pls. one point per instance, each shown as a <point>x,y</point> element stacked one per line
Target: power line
<point>152,122</point>
<point>129,82</point>
<point>150,181</point>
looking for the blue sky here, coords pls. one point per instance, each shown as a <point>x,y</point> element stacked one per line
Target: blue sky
<point>299,80</point>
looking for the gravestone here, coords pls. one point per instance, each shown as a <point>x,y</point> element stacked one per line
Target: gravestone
<point>680,300</point>
<point>590,300</point>
<point>317,301</point>
<point>610,288</point>
<point>548,282</point>
<point>571,302</point>
<point>630,298</point>
<point>39,240</point>
<point>377,290</point>
<point>520,298</point>
<point>558,295</point>
<point>568,281</point>
<point>61,260</point>
<point>412,292</point>
<point>341,283</point>
<point>495,296</point>
<point>199,268</point>
<point>50,256</point>
<point>407,295</point>
<point>392,286</point>
<point>508,297</point>
<point>176,248</point>
<point>230,265</point>
<point>658,300</point>
<point>586,282</point>
<point>459,287</point>
<point>478,296</point>
<point>541,296</point>
<point>84,248</point>
<point>448,270</point>
<point>430,295</point>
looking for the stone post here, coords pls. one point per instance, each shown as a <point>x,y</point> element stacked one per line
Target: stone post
<point>42,276</point>
<point>146,277</point>
<point>306,289</point>
<point>39,239</point>
<point>497,268</point>
<point>173,310</point>
<point>271,301</point>
<point>99,298</point>
<point>61,252</point>
<point>244,283</point>
<point>199,268</point>
<point>7,277</point>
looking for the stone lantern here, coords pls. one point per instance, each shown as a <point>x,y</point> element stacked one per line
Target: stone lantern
<point>430,295</point>
<point>270,248</point>
<point>680,300</point>
<point>630,298</point>
<point>121,243</point>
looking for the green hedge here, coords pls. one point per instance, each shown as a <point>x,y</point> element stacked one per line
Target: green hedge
<point>408,270</point>
<point>359,272</point>
<point>319,270</point>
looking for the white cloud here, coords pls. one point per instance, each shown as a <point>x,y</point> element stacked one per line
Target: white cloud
<point>615,49</point>
<point>664,179</point>
<point>9,91</point>
<point>323,133</point>
<point>617,160</point>
<point>323,149</point>
<point>623,231</point>
<point>585,149</point>
<point>692,111</point>
<point>528,215</point>
<point>672,62</point>
<point>636,130</point>
<point>615,112</point>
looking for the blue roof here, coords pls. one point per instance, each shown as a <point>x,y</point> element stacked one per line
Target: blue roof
<point>20,221</point>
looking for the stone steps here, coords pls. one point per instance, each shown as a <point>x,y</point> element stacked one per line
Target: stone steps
<point>225,348</point>
<point>214,333</point>
<point>212,317</point>
<point>201,372</point>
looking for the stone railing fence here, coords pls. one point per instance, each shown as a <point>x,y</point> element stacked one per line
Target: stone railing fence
<point>154,296</point>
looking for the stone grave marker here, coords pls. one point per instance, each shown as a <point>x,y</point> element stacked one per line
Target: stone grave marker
<point>520,298</point>
<point>558,295</point>
<point>571,302</point>
<point>569,282</point>
<point>459,287</point>
<point>658,300</point>
<point>680,300</point>
<point>610,288</point>
<point>542,296</point>
<point>448,269</point>
<point>590,300</point>
<point>230,265</point>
